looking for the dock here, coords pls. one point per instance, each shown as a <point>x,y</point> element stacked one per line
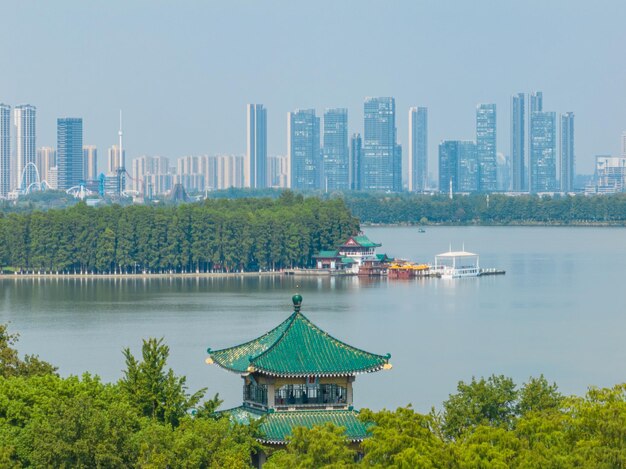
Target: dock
<point>491,272</point>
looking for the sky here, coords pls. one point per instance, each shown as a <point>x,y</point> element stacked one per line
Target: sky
<point>183,72</point>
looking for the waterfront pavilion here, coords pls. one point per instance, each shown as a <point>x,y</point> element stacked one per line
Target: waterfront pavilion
<point>298,375</point>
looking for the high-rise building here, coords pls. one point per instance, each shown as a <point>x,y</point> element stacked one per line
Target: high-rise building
<point>518,143</point>
<point>504,172</point>
<point>459,169</point>
<point>356,162</point>
<point>25,146</point>
<point>542,152</point>
<point>610,174</point>
<point>90,163</point>
<point>46,160</point>
<point>418,149</point>
<point>256,153</point>
<point>151,175</point>
<point>304,149</point>
<point>468,179</point>
<point>336,162</point>
<point>623,145</point>
<point>486,147</point>
<point>115,161</point>
<point>448,165</point>
<point>567,152</point>
<point>278,171</point>
<point>5,150</point>
<point>536,102</point>
<point>382,169</point>
<point>69,152</point>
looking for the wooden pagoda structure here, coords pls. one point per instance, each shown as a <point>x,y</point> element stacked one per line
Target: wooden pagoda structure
<point>298,375</point>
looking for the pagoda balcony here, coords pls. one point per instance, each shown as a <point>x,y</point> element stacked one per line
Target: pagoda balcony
<point>311,396</point>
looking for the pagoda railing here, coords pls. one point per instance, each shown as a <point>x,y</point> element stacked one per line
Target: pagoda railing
<point>256,393</point>
<point>310,395</point>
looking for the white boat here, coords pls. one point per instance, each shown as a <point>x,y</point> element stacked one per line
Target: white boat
<point>457,264</point>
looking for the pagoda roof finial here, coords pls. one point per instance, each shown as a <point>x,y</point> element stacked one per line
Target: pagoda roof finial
<point>297,302</point>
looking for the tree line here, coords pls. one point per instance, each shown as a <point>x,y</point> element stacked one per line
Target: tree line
<point>148,419</point>
<point>213,235</point>
<point>487,209</point>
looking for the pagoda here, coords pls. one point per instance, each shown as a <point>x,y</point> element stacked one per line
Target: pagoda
<point>298,375</point>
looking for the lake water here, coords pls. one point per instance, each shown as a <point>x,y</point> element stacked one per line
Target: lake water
<point>559,310</point>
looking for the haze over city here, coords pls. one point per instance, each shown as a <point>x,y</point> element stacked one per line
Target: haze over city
<point>184,73</point>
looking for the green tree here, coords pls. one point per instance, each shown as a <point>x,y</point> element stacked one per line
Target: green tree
<point>404,438</point>
<point>481,402</point>
<point>320,446</point>
<point>10,362</point>
<point>154,391</point>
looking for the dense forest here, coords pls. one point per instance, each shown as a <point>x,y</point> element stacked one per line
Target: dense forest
<point>487,209</point>
<point>148,419</point>
<point>213,235</point>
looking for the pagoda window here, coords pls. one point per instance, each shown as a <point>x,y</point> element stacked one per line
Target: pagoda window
<point>256,393</point>
<point>306,394</point>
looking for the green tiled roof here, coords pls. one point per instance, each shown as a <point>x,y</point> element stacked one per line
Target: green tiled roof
<point>277,426</point>
<point>365,242</point>
<point>327,254</point>
<point>347,260</point>
<point>297,347</point>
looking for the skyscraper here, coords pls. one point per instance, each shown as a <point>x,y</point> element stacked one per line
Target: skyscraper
<point>486,147</point>
<point>304,149</point>
<point>46,160</point>
<point>90,163</point>
<point>448,165</point>
<point>518,142</point>
<point>543,152</point>
<point>335,162</point>
<point>356,162</point>
<point>567,152</point>
<point>418,149</point>
<point>256,148</point>
<point>623,143</point>
<point>458,166</point>
<point>5,150</point>
<point>25,146</point>
<point>382,169</point>
<point>69,152</point>
<point>115,161</point>
<point>468,179</point>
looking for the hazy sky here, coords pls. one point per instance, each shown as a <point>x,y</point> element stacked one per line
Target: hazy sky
<point>183,71</point>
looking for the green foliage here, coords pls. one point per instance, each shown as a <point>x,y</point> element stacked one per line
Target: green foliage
<point>483,209</point>
<point>156,392</point>
<point>320,446</point>
<point>12,365</point>
<point>217,235</point>
<point>483,402</point>
<point>404,438</point>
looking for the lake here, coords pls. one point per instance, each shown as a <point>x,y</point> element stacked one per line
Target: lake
<point>559,310</point>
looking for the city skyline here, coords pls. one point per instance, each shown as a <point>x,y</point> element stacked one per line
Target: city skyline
<point>207,82</point>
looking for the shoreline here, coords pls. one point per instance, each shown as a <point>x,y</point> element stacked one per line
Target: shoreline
<point>141,276</point>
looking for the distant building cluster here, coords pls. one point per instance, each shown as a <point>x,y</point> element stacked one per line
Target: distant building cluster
<point>322,154</point>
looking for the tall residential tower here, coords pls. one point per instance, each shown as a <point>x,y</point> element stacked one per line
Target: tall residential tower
<point>418,149</point>
<point>382,156</point>
<point>335,161</point>
<point>518,143</point>
<point>566,159</point>
<point>304,149</point>
<point>255,171</point>
<point>69,152</point>
<point>486,147</point>
<point>25,146</point>
<point>5,150</point>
